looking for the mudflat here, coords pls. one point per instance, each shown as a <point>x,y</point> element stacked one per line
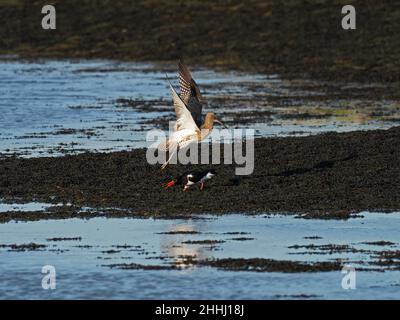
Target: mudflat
<point>329,175</point>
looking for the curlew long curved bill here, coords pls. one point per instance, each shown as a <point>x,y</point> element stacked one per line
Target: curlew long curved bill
<point>220,123</point>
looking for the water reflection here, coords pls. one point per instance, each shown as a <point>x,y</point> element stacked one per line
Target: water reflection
<point>173,243</point>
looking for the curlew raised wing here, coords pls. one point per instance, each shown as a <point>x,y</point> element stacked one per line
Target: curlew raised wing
<point>190,93</point>
<point>184,119</point>
<point>185,82</point>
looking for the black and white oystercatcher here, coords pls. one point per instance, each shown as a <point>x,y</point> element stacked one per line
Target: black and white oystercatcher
<point>190,178</point>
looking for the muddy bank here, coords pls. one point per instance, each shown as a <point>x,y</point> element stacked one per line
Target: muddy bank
<point>230,264</point>
<point>302,38</point>
<point>23,247</point>
<point>325,176</point>
<point>270,265</point>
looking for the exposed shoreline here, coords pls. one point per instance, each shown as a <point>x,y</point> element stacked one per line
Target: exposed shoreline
<point>330,175</point>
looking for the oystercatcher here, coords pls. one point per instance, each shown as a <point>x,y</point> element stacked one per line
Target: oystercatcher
<point>191,126</point>
<point>190,178</point>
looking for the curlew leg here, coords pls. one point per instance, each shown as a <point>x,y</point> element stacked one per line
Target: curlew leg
<point>165,164</point>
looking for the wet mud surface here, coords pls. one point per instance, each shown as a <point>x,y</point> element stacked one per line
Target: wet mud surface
<point>255,265</point>
<point>325,176</point>
<point>23,247</point>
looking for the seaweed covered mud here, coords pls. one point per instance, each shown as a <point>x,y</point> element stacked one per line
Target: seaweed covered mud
<point>327,175</point>
<point>330,175</point>
<point>291,38</point>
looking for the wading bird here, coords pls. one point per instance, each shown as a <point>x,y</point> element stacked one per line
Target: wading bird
<point>190,178</point>
<point>190,126</point>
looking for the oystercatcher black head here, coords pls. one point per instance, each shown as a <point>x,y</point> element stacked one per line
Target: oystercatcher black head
<point>190,178</point>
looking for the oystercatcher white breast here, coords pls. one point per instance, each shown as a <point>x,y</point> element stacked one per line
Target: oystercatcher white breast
<point>190,178</point>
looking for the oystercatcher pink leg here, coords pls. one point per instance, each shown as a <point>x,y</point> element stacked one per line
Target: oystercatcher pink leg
<point>202,186</point>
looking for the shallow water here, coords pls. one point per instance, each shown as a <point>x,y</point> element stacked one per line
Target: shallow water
<point>82,270</point>
<point>58,107</point>
<point>24,207</point>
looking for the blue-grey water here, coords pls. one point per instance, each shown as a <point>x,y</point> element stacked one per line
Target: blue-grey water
<point>82,271</point>
<point>58,107</point>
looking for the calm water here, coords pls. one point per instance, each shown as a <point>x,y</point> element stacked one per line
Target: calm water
<point>82,271</point>
<point>58,107</point>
